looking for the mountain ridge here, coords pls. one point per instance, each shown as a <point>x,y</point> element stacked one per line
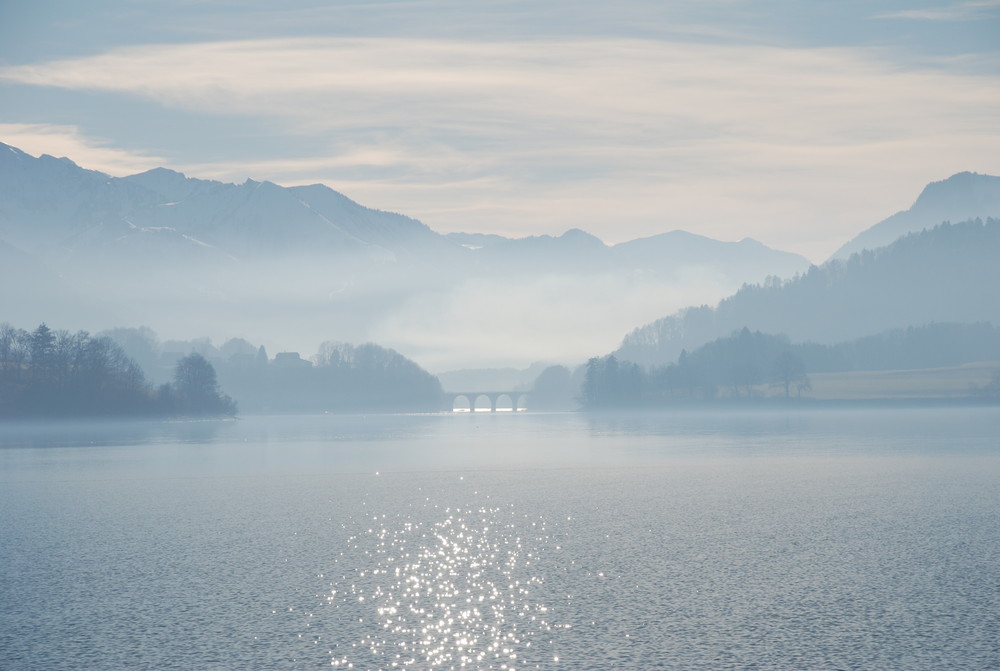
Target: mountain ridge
<point>963,196</point>
<point>303,264</point>
<point>944,274</point>
<point>165,198</point>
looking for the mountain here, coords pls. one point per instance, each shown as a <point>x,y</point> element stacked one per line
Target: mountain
<point>961,197</point>
<point>949,273</point>
<point>667,256</point>
<point>295,266</point>
<point>52,205</point>
<point>674,250</point>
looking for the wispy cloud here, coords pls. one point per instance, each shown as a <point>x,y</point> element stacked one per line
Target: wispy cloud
<point>70,142</point>
<point>606,134</point>
<point>611,93</point>
<point>960,11</point>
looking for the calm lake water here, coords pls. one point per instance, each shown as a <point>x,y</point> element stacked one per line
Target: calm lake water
<point>837,539</point>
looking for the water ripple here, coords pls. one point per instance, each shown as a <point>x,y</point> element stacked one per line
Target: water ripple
<point>444,588</point>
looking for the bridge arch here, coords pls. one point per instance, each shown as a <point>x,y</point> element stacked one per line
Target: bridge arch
<point>505,403</point>
<point>461,403</point>
<point>486,401</point>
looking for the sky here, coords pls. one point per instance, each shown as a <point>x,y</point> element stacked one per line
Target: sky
<point>795,123</point>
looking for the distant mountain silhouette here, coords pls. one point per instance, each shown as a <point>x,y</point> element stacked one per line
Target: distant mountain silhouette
<point>55,209</point>
<point>740,259</point>
<point>290,264</point>
<point>664,255</point>
<point>949,273</point>
<point>54,205</point>
<point>961,197</point>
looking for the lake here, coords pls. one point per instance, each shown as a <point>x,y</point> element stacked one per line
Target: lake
<point>818,539</point>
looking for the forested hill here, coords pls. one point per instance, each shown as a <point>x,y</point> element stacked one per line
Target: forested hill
<point>961,197</point>
<point>339,378</point>
<point>46,373</point>
<point>946,274</point>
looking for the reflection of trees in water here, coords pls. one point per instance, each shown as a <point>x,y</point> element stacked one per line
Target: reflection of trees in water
<point>85,432</point>
<point>191,431</point>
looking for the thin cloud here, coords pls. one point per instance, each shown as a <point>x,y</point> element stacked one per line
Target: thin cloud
<point>68,141</point>
<point>457,86</point>
<point>605,134</point>
<point>962,11</point>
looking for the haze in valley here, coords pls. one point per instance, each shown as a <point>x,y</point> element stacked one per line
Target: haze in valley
<point>473,186</point>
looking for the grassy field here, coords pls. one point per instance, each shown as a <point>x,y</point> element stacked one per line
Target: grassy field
<point>954,382</point>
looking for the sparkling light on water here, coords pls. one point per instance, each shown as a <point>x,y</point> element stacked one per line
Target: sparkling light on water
<point>444,588</point>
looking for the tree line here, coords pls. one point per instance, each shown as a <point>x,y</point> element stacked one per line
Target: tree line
<point>129,372</point>
<point>737,366</point>
<point>339,377</point>
<point>46,373</point>
<point>730,367</point>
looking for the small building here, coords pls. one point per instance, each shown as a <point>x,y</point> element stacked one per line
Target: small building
<point>291,360</point>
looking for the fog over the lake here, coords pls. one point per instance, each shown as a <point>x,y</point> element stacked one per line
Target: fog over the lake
<point>290,268</point>
<point>499,335</point>
<point>293,267</point>
<point>475,186</point>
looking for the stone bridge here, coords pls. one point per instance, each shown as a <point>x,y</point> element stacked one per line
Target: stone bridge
<point>504,401</point>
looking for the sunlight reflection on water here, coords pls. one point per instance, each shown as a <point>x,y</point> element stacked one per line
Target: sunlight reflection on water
<point>827,540</point>
<point>443,587</point>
